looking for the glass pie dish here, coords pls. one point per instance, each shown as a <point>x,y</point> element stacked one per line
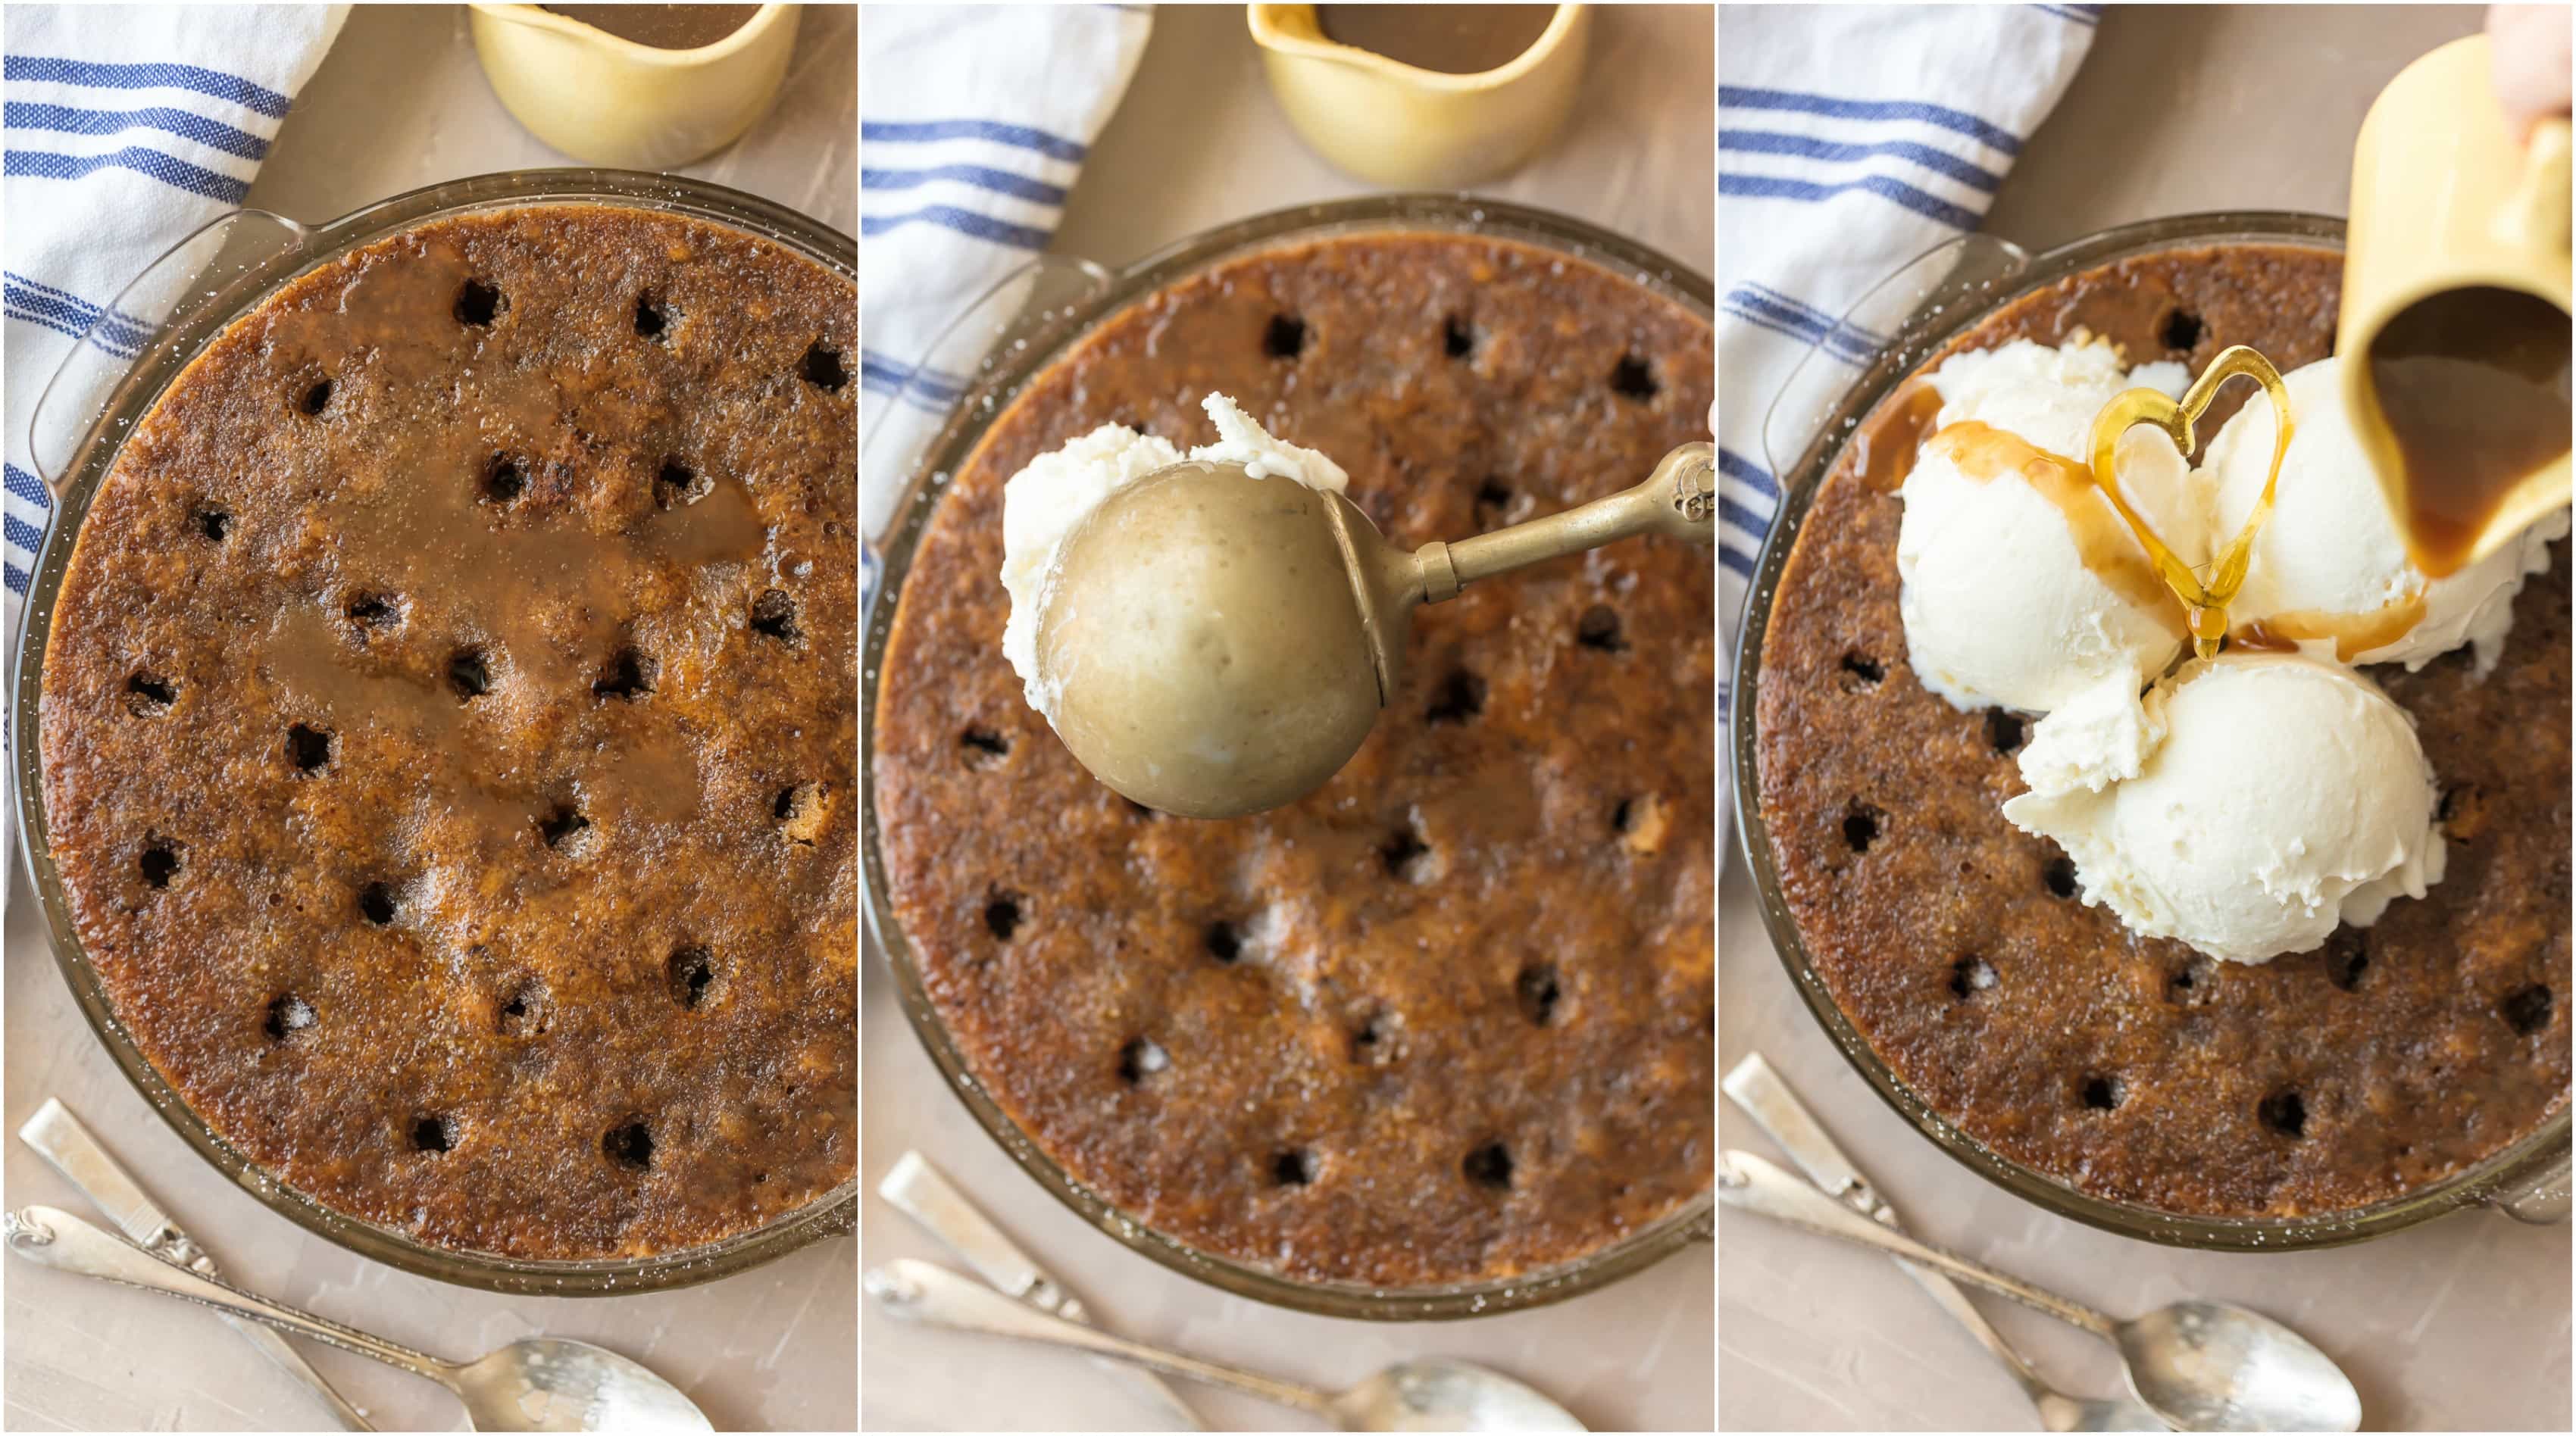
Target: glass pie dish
<point>1893,330</point>
<point>130,355</point>
<point>930,421</point>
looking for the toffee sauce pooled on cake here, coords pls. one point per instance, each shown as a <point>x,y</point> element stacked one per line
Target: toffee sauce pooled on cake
<point>449,725</point>
<point>2139,1070</point>
<point>1450,1017</point>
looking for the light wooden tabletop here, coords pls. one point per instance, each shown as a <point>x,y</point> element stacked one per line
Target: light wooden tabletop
<point>2462,1324</point>
<point>399,103</point>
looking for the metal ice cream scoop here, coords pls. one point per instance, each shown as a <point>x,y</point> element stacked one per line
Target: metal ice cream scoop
<point>1218,644</point>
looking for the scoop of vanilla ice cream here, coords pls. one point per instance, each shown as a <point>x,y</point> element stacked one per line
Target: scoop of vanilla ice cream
<point>1242,441</point>
<point>2330,557</point>
<point>1044,502</point>
<point>1041,504</point>
<point>2047,395</point>
<point>2284,796</point>
<point>1998,604</point>
<point>2097,737</point>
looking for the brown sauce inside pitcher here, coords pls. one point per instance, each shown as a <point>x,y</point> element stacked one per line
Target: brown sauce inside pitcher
<point>1446,39</point>
<point>661,27</point>
<point>2473,385</point>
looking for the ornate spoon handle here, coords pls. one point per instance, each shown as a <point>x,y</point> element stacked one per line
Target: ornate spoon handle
<point>919,1291</point>
<point>1747,1181</point>
<point>52,1237</point>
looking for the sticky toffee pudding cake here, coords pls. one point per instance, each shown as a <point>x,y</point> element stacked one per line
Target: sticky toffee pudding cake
<point>2131,1069</point>
<point>449,724</point>
<point>1450,1017</point>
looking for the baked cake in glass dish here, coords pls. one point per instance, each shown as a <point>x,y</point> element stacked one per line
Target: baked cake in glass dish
<point>449,726</point>
<point>1449,1018</point>
<point>2133,1069</point>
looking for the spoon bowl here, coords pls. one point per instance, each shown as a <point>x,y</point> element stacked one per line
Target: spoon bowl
<point>1213,644</point>
<point>2212,1366</point>
<point>546,1383</point>
<point>1431,1394</point>
<point>1209,654</point>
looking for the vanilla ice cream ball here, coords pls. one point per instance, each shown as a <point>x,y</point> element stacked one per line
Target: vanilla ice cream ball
<point>2021,591</point>
<point>2329,563</point>
<point>2048,395</point>
<point>1040,505</point>
<point>2285,795</point>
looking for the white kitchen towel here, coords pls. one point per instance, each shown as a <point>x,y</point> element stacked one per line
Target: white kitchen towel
<point>129,126</point>
<point>973,122</point>
<point>1851,139</point>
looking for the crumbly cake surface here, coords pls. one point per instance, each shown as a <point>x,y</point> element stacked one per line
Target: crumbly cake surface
<point>2138,1070</point>
<point>449,729</point>
<point>1449,1017</point>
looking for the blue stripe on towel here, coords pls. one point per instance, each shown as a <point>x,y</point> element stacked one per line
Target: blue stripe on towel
<point>22,533</point>
<point>1746,521</point>
<point>58,326</point>
<point>118,334</point>
<point>1745,97</point>
<point>26,486</point>
<point>980,176</point>
<point>1741,565</point>
<point>1767,142</point>
<point>176,173</point>
<point>1793,303</point>
<point>1930,206</point>
<point>146,77</point>
<point>964,221</point>
<point>894,372</point>
<point>2072,13</point>
<point>1020,136</point>
<point>1758,321</point>
<point>21,115</point>
<point>1744,471</point>
<point>17,578</point>
<point>1779,314</point>
<point>45,306</point>
<point>23,282</point>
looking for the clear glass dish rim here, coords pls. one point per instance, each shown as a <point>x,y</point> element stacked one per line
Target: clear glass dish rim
<point>998,382</point>
<point>168,353</point>
<point>2531,1159</point>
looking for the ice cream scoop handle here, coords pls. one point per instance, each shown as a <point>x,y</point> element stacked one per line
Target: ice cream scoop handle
<point>1678,499</point>
<point>1749,1182</point>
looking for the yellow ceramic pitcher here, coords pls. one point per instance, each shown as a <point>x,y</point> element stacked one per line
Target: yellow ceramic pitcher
<point>2446,198</point>
<point>1395,124</point>
<point>610,101</point>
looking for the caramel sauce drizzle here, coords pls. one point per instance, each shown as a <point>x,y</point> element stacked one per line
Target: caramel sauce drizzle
<point>1883,452</point>
<point>1985,453</point>
<point>552,596</point>
<point>2354,634</point>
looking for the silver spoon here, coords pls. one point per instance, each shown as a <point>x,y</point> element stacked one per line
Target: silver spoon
<point>2201,1365</point>
<point>1420,1395</point>
<point>1766,1098</point>
<point>537,1383</point>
